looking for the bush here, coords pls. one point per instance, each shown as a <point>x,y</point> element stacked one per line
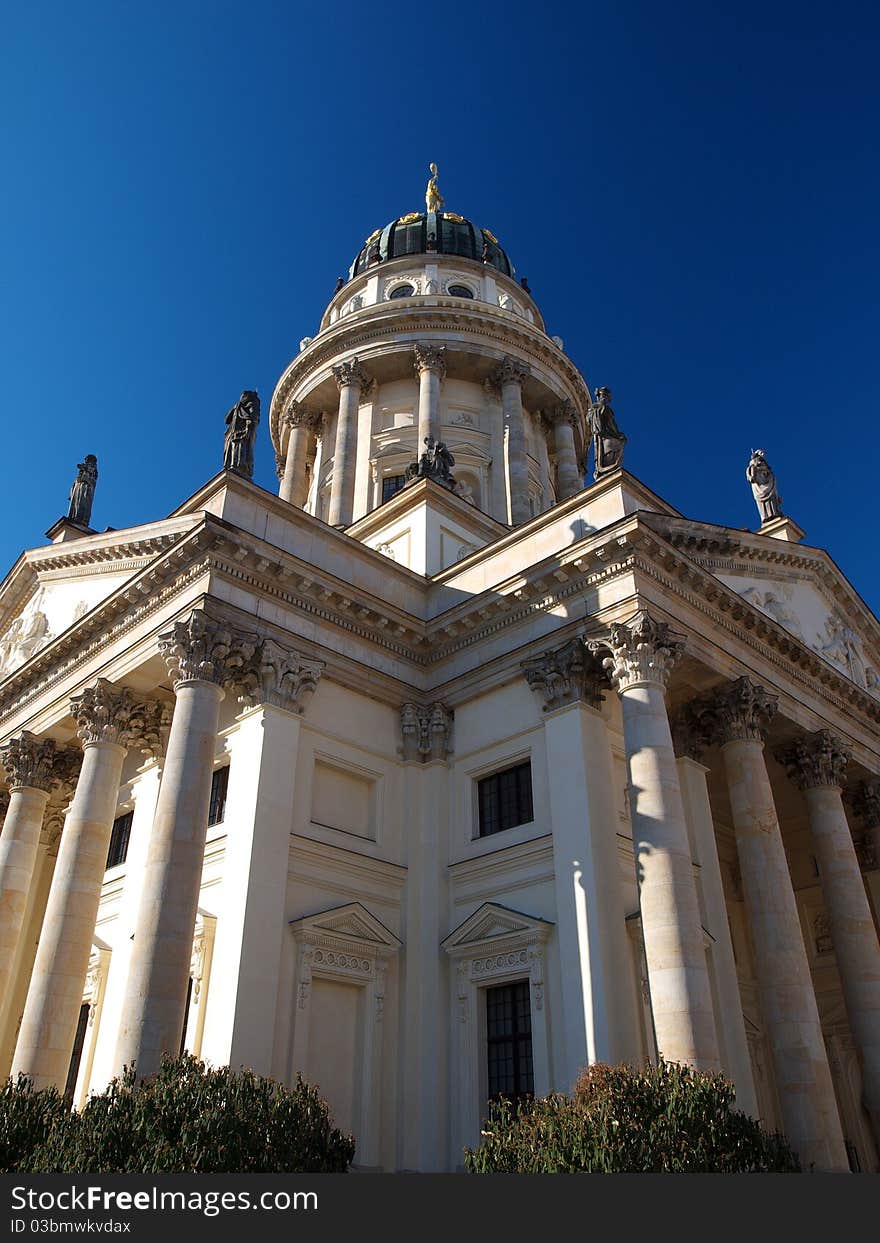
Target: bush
<point>659,1119</point>
<point>187,1118</point>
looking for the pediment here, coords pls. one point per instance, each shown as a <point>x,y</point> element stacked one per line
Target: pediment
<point>491,925</point>
<point>351,924</point>
<point>798,587</point>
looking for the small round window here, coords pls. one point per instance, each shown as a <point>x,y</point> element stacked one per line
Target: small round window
<point>402,291</point>
<point>460,291</point>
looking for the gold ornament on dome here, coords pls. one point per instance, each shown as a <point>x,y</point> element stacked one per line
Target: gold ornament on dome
<point>491,236</point>
<point>376,233</point>
<point>433,198</point>
<point>410,218</point>
<point>454,217</point>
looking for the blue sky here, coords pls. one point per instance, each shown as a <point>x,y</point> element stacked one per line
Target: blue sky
<point>690,188</point>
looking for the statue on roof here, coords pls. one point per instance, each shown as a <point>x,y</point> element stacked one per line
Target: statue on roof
<point>433,198</point>
<point>82,493</point>
<point>241,432</point>
<point>608,439</point>
<point>435,463</point>
<point>764,488</point>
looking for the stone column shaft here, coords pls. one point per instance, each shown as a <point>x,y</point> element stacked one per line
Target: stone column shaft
<point>568,478</point>
<point>431,368</point>
<point>293,482</point>
<point>643,652</point>
<point>19,843</point>
<point>351,380</point>
<point>48,1027</point>
<point>155,994</point>
<point>509,377</point>
<point>738,716</point>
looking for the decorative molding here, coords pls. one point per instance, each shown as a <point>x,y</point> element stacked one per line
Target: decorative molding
<point>347,942</point>
<point>430,357</point>
<point>280,677</point>
<point>205,650</point>
<point>38,763</point>
<point>740,712</point>
<point>643,652</point>
<point>567,674</point>
<point>202,947</point>
<point>426,731</point>
<point>497,942</point>
<point>815,761</point>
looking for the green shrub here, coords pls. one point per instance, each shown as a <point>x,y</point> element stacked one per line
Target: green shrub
<point>26,1119</point>
<point>187,1118</point>
<point>659,1119</point>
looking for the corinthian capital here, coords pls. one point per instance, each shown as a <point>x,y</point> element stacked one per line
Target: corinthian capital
<point>203,649</point>
<point>280,677</point>
<point>689,733</point>
<point>567,674</point>
<point>426,730</point>
<point>642,650</point>
<point>109,713</point>
<point>296,415</point>
<point>740,712</point>
<point>558,416</point>
<point>34,762</point>
<point>430,358</point>
<point>816,760</point>
<point>353,372</point>
<point>509,370</point>
<point>865,801</point>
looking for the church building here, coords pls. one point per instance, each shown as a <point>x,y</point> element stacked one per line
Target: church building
<point>461,763</point>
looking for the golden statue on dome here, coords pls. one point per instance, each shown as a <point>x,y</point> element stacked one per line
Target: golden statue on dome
<point>433,198</point>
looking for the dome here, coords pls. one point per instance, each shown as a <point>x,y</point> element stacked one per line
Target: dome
<point>431,232</point>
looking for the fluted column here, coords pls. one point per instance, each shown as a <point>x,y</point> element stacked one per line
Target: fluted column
<point>109,719</point>
<point>569,479</point>
<point>302,423</point>
<point>508,380</point>
<point>203,656</point>
<point>817,766</point>
<point>737,718</point>
<point>35,767</point>
<point>353,383</point>
<point>643,652</point>
<point>597,1012</point>
<point>430,365</point>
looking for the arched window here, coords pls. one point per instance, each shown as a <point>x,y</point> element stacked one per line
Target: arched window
<point>460,291</point>
<point>402,291</point>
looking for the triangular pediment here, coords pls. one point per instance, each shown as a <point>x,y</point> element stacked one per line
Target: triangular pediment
<point>797,587</point>
<point>492,924</point>
<point>350,924</point>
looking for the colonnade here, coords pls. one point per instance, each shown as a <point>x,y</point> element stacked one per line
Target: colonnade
<point>205,657</point>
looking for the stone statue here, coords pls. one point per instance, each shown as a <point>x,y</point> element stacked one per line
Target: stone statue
<point>608,439</point>
<point>433,198</point>
<point>764,488</point>
<point>82,494</point>
<point>435,463</point>
<point>241,432</point>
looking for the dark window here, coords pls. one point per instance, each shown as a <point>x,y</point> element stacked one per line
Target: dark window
<point>402,291</point>
<point>391,485</point>
<point>79,1040</point>
<point>189,993</point>
<point>505,799</point>
<point>119,840</point>
<point>219,786</point>
<point>509,1040</point>
<point>460,291</point>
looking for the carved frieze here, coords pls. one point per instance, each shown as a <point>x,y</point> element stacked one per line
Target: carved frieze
<point>816,760</point>
<point>567,674</point>
<point>426,731</point>
<point>639,651</point>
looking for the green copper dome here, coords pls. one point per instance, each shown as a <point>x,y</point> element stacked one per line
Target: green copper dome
<point>432,232</point>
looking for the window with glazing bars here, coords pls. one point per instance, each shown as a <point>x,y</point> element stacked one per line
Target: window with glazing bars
<point>79,1041</point>
<point>119,839</point>
<point>509,1040</point>
<point>505,799</point>
<point>391,485</point>
<point>219,785</point>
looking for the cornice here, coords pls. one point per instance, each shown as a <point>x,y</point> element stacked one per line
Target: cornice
<point>386,322</point>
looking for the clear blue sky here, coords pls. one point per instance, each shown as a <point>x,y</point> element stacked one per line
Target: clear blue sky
<point>690,188</point>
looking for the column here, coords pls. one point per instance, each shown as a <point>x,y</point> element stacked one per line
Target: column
<point>736,1063</point>
<point>353,383</point>
<point>240,1031</point>
<point>35,767</point>
<point>643,652</point>
<point>569,479</point>
<point>508,379</point>
<point>498,506</point>
<point>817,766</point>
<point>203,656</point>
<point>737,718</point>
<point>302,423</point>
<point>426,734</point>
<point>109,719</point>
<point>598,1016</point>
<point>430,364</point>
